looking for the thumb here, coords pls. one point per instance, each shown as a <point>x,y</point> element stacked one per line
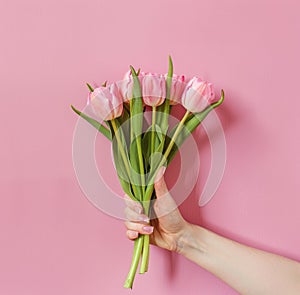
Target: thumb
<point>164,203</point>
<point>160,184</point>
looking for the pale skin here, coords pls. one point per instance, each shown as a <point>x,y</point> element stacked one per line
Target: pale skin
<point>247,270</point>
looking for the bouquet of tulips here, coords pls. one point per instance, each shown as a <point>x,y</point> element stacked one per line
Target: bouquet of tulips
<point>140,148</point>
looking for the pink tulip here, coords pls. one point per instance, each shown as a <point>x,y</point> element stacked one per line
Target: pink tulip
<point>177,88</point>
<point>125,87</point>
<point>106,102</point>
<point>197,95</point>
<point>154,89</point>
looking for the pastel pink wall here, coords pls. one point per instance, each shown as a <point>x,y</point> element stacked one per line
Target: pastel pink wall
<point>53,241</point>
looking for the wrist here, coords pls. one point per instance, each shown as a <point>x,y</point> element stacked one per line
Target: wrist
<point>192,239</point>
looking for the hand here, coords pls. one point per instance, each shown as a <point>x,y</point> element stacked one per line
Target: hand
<point>166,230</point>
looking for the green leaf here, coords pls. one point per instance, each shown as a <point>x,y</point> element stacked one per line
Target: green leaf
<point>90,87</point>
<point>125,125</point>
<point>94,123</point>
<point>135,167</point>
<point>152,161</point>
<point>170,70</point>
<point>163,110</point>
<point>120,168</point>
<point>136,106</point>
<point>119,161</point>
<point>136,126</point>
<point>133,157</point>
<point>146,144</point>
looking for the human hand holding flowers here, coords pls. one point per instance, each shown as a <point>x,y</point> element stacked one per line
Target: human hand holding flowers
<point>167,230</point>
<point>141,148</point>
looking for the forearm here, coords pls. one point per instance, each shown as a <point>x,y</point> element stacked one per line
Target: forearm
<point>248,270</point>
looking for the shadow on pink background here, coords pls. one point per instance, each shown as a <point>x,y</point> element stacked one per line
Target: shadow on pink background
<point>53,241</point>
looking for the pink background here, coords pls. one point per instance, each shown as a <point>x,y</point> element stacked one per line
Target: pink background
<point>53,241</point>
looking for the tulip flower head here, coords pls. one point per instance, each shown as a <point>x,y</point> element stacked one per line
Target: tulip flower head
<point>126,86</point>
<point>106,102</point>
<point>197,95</point>
<point>154,89</point>
<point>177,88</point>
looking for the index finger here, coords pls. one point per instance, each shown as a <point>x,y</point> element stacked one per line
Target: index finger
<point>133,205</point>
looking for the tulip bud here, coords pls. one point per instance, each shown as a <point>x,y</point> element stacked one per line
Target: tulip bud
<point>154,89</point>
<point>106,102</point>
<point>197,95</point>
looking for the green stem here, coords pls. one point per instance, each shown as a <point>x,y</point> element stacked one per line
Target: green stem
<point>145,256</point>
<point>138,246</point>
<point>173,139</point>
<point>153,129</point>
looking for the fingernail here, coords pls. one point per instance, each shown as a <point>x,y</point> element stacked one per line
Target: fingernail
<point>138,209</point>
<point>148,229</point>
<point>143,218</point>
<point>134,234</point>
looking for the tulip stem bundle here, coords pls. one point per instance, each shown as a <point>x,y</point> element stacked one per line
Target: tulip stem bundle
<point>139,154</point>
<point>145,257</point>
